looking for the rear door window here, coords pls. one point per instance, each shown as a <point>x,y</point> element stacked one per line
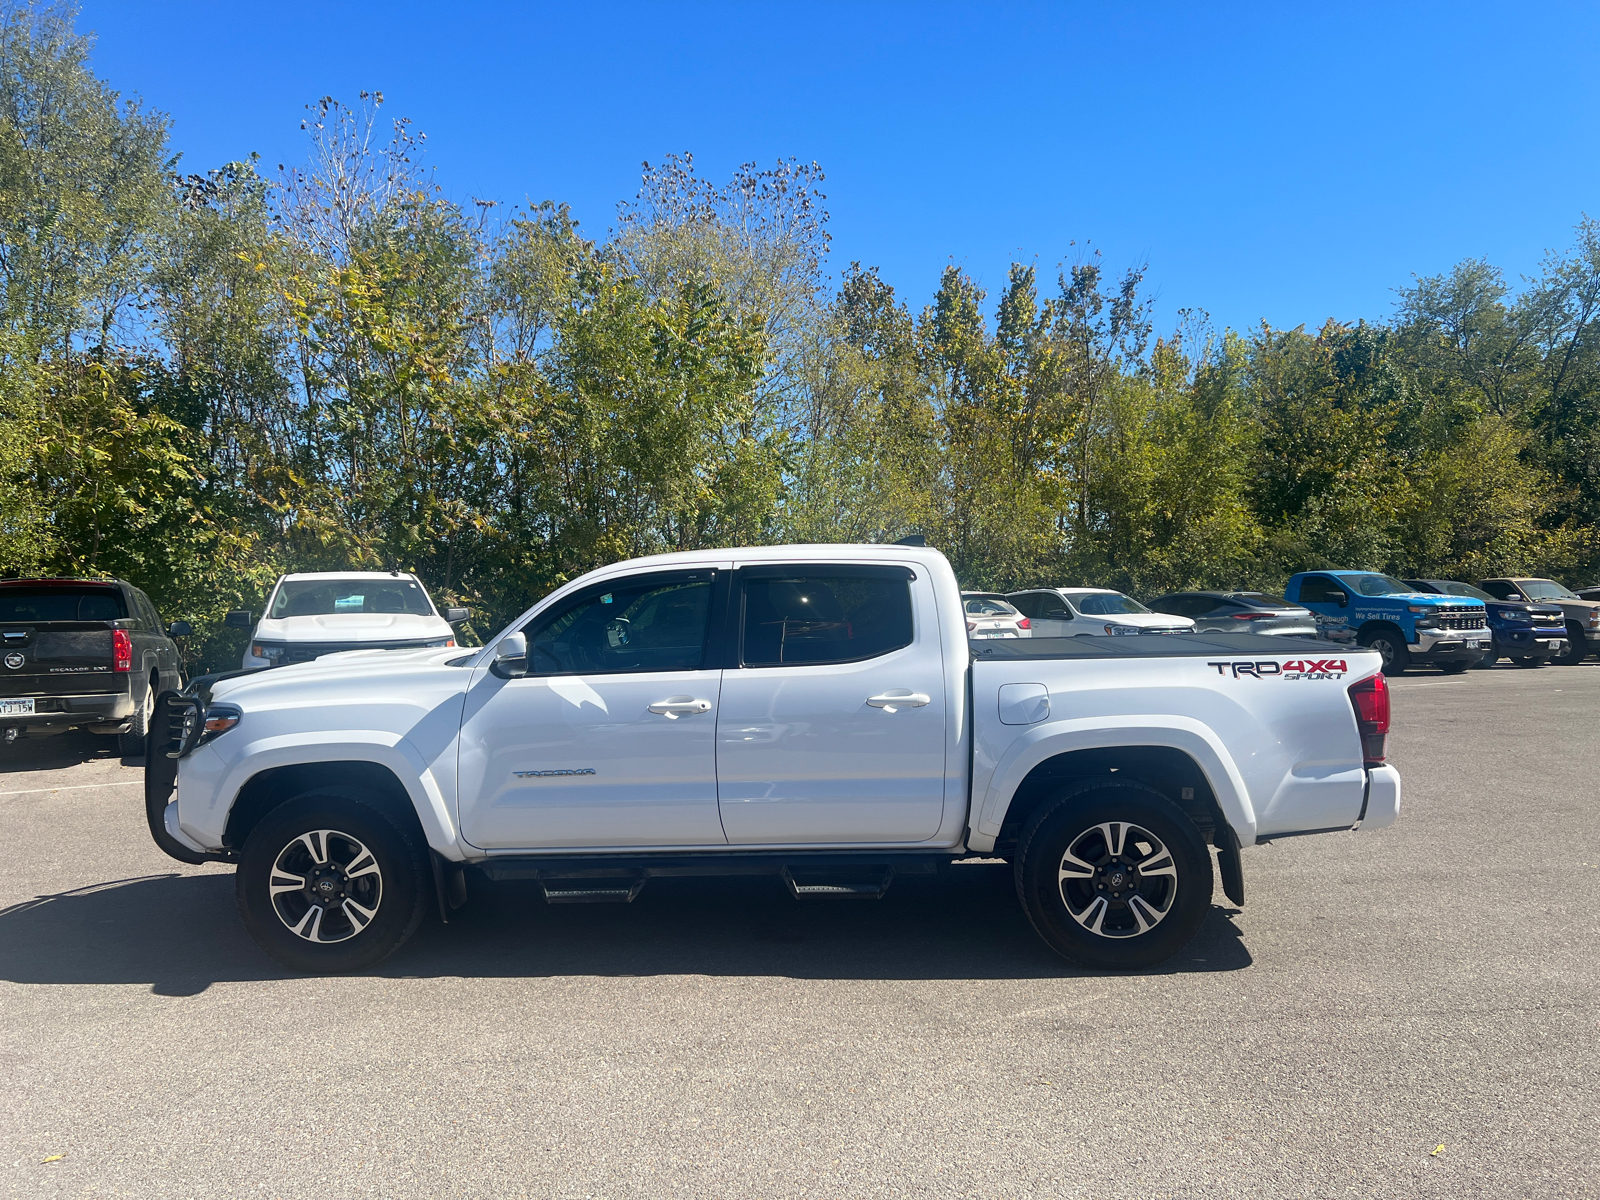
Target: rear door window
<point>800,617</point>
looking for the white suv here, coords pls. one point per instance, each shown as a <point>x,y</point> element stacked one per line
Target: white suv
<point>1086,612</point>
<point>309,615</point>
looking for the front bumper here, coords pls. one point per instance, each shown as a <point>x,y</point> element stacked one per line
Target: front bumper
<point>1450,645</point>
<point>1527,642</point>
<point>53,714</point>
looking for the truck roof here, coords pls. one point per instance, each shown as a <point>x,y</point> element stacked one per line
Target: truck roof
<point>799,552</point>
<point>348,575</point>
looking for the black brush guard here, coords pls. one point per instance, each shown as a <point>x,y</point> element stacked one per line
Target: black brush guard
<point>176,723</point>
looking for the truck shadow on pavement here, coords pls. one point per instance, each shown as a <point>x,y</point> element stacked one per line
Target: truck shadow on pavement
<point>180,933</point>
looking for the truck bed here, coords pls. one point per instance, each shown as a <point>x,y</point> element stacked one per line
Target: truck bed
<point>1184,645</point>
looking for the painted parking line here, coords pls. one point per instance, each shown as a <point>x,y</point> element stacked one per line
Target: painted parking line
<point>77,787</point>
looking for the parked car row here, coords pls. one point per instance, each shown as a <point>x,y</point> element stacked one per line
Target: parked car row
<point>93,654</point>
<point>1411,622</point>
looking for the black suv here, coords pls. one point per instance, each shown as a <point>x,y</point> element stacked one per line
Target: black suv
<point>83,653</point>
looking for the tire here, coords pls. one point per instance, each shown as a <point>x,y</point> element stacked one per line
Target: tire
<point>1388,643</point>
<point>131,743</point>
<point>359,917</point>
<point>1064,868</point>
<point>1577,647</point>
<point>1530,660</point>
<point>1458,668</point>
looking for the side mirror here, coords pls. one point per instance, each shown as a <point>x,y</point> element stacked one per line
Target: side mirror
<point>179,629</point>
<point>455,616</point>
<point>1342,600</point>
<point>511,656</point>
<point>239,618</point>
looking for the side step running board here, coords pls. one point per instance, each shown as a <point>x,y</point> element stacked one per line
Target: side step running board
<point>591,891</point>
<point>850,883</point>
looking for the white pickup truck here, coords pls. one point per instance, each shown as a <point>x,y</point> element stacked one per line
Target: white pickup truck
<point>816,713</point>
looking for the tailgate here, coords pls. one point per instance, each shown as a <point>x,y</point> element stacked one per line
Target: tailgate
<point>58,658</point>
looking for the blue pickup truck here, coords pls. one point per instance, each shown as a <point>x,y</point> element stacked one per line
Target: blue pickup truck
<point>1405,626</point>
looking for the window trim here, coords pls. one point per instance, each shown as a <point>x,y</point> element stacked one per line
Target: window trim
<point>736,608</point>
<point>711,648</point>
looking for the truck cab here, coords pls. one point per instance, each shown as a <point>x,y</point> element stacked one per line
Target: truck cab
<point>1405,626</point>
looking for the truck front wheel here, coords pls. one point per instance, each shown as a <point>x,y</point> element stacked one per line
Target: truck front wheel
<point>1390,645</point>
<point>1577,646</point>
<point>328,884</point>
<point>1113,875</point>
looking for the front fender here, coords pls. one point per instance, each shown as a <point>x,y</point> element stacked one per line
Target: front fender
<point>209,784</point>
<point>1062,737</point>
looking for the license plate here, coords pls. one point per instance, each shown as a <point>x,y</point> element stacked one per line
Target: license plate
<point>1472,646</point>
<point>16,708</point>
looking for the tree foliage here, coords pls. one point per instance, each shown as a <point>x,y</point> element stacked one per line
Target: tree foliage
<point>207,379</point>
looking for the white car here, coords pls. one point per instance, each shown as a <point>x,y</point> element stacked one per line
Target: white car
<point>316,613</point>
<point>989,615</point>
<point>1091,612</point>
<point>815,714</point>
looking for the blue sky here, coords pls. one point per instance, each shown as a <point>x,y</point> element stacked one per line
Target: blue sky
<point>1278,162</point>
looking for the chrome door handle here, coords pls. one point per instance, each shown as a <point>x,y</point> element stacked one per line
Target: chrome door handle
<point>674,707</point>
<point>897,698</point>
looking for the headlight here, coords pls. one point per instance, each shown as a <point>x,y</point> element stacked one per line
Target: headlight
<point>1428,623</point>
<point>1120,630</point>
<point>218,720</point>
<point>270,653</point>
<point>450,641</point>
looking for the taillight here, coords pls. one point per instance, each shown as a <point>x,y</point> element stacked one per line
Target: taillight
<point>971,625</point>
<point>1370,698</point>
<point>121,650</point>
<point>1022,623</point>
<point>1251,616</point>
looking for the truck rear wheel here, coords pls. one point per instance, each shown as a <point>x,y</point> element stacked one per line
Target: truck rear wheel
<point>1113,875</point>
<point>328,884</point>
<point>131,743</point>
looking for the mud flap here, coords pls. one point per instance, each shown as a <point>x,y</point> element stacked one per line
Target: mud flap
<point>1229,865</point>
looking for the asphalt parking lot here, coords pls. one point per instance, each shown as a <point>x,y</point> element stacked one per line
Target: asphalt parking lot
<point>1409,1014</point>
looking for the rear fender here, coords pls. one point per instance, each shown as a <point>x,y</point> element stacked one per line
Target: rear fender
<point>205,825</point>
<point>1063,737</point>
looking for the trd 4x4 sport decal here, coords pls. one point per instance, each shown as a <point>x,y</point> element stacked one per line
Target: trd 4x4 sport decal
<point>1295,668</point>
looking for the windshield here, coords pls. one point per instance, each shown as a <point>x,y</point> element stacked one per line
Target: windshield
<point>1465,589</point>
<point>1106,604</point>
<point>1374,585</point>
<point>1545,589</point>
<point>325,597</point>
<point>989,608</point>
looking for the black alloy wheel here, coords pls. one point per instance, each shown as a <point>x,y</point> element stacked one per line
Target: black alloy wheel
<point>329,884</point>
<point>1113,875</point>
